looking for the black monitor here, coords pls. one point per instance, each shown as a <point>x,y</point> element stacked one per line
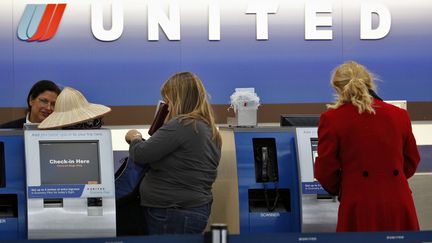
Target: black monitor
<point>299,120</point>
<point>69,162</point>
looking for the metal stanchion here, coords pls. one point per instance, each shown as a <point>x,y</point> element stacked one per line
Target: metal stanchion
<point>218,234</point>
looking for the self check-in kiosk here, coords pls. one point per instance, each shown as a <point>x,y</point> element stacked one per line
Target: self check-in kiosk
<point>268,180</point>
<point>12,186</point>
<point>70,184</point>
<point>319,209</point>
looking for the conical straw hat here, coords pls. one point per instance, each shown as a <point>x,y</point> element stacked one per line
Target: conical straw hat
<point>72,108</point>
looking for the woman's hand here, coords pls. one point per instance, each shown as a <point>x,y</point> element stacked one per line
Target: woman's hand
<point>132,135</point>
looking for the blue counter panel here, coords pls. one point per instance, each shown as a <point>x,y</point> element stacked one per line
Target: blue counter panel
<point>400,237</point>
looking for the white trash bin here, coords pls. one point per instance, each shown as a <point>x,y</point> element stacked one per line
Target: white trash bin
<point>245,103</point>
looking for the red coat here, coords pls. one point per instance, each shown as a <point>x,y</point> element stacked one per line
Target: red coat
<point>366,159</point>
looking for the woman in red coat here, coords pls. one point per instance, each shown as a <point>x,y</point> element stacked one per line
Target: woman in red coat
<point>366,152</point>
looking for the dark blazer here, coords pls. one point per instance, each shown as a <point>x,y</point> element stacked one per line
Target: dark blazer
<point>367,158</point>
<point>19,123</point>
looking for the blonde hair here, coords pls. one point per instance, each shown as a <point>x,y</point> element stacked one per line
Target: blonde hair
<point>187,100</point>
<point>352,82</point>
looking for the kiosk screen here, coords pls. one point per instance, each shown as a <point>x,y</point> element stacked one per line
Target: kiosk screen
<point>69,162</point>
<point>314,148</point>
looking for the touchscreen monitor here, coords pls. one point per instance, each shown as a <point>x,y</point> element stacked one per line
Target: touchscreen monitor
<point>69,162</point>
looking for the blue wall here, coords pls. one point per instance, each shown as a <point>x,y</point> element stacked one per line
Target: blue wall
<point>286,68</point>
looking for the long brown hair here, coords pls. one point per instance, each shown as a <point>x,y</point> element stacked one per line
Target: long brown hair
<point>187,100</point>
<point>352,82</point>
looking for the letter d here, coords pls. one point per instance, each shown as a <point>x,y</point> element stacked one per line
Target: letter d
<point>366,31</point>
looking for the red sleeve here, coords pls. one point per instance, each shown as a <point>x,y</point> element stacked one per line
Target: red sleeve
<point>410,150</point>
<point>327,165</point>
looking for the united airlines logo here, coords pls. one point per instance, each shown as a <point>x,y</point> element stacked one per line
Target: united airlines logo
<point>40,21</point>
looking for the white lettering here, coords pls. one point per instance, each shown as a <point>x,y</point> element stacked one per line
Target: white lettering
<point>61,161</point>
<point>82,161</point>
<point>264,215</point>
<point>262,9</point>
<point>318,19</point>
<point>310,238</point>
<point>366,13</point>
<point>170,25</point>
<point>312,20</point>
<point>214,21</point>
<point>97,27</point>
<point>395,237</point>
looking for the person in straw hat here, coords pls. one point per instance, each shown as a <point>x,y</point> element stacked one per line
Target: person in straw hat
<point>73,111</point>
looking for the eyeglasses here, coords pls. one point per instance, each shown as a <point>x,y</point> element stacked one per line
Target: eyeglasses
<point>45,102</point>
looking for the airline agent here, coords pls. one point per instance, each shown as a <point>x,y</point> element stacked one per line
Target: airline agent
<point>40,104</point>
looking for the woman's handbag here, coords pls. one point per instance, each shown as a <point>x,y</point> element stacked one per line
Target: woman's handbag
<point>128,178</point>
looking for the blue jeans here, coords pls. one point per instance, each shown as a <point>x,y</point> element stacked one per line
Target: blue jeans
<point>177,220</point>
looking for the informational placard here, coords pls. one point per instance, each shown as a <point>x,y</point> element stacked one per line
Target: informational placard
<point>55,191</point>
